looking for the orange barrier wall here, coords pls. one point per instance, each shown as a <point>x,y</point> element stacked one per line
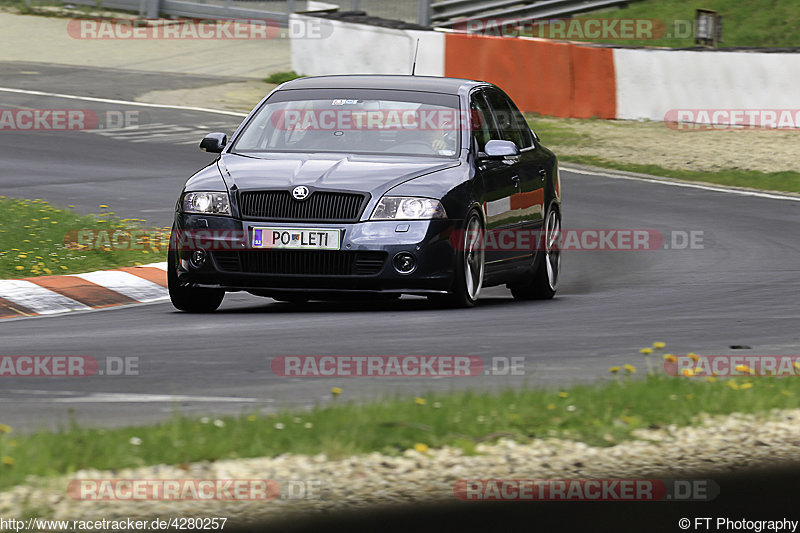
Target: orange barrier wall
<point>552,78</point>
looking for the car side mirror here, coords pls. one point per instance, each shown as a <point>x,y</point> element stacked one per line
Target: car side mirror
<point>214,142</point>
<point>496,149</point>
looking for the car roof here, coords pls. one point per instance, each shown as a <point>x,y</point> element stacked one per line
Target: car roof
<point>431,84</point>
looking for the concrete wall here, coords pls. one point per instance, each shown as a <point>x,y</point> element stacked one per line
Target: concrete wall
<point>650,83</point>
<point>336,47</point>
<point>559,78</point>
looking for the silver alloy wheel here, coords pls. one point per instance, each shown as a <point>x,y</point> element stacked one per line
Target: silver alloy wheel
<point>552,232</point>
<point>473,257</point>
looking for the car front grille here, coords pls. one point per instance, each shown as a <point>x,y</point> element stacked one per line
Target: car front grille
<point>324,206</point>
<point>301,262</point>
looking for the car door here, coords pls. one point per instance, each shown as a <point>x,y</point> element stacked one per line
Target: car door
<point>499,182</point>
<point>527,203</point>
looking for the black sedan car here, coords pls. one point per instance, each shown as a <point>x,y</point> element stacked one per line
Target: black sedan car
<point>373,186</point>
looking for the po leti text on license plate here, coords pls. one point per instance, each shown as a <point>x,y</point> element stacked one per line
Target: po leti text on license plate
<point>301,239</point>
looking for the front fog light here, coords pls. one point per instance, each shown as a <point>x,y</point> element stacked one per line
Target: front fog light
<point>198,258</point>
<point>404,262</point>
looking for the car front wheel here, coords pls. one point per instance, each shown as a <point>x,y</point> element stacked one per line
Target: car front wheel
<point>190,299</point>
<point>469,268</point>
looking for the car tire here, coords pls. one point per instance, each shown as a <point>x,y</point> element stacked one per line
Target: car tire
<point>470,266</point>
<point>542,282</point>
<point>190,299</point>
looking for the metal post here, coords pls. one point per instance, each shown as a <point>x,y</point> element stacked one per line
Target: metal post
<point>424,12</point>
<point>153,7</point>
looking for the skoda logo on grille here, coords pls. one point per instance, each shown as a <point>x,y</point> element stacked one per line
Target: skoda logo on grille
<point>300,192</point>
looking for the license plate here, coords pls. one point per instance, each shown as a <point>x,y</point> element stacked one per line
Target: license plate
<point>297,239</point>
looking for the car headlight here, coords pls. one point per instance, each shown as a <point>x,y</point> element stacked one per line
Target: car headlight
<point>408,208</point>
<point>207,203</point>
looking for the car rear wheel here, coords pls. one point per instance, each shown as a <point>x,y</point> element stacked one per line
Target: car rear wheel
<point>190,299</point>
<point>542,282</point>
<point>469,268</point>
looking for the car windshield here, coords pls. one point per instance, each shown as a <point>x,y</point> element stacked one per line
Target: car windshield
<point>384,122</point>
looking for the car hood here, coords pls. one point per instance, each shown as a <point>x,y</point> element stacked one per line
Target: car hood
<point>374,175</point>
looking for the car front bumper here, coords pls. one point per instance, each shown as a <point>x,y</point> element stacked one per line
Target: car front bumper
<point>363,262</point>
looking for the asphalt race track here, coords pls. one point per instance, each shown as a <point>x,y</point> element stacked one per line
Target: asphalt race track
<point>739,289</point>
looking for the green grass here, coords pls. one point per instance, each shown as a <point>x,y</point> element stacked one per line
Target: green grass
<point>55,8</point>
<point>554,133</point>
<point>282,77</point>
<point>745,22</point>
<point>774,181</point>
<point>600,414</point>
<point>40,239</point>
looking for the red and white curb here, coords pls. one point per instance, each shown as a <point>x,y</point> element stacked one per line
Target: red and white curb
<point>49,295</point>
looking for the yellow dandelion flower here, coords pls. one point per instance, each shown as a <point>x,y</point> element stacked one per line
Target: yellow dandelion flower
<point>336,391</point>
<point>670,358</point>
<point>5,428</point>
<point>563,394</point>
<point>646,351</point>
<point>744,369</point>
<point>103,206</point>
<point>745,386</point>
<point>251,418</point>
<point>659,345</point>
<point>711,379</point>
<point>687,372</point>
<point>421,448</point>
<point>551,406</point>
<point>693,356</point>
<point>630,369</point>
<point>733,385</point>
<point>19,268</point>
<point>8,461</point>
<point>419,401</point>
<point>614,369</point>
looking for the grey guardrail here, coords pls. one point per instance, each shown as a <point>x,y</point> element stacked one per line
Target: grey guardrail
<point>449,12</point>
<point>194,10</point>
